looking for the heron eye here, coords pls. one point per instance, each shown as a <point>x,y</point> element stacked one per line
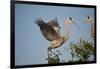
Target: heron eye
<point>70,18</point>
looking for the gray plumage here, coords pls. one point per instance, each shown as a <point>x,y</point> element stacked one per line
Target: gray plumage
<point>47,28</point>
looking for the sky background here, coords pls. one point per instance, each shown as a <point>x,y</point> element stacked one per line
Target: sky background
<point>31,46</point>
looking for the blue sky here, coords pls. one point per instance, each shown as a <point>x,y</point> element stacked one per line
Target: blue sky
<point>31,46</point>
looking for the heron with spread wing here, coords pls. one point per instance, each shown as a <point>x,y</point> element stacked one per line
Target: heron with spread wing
<point>51,31</point>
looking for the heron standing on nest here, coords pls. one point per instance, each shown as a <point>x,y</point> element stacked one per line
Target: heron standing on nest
<point>51,31</point>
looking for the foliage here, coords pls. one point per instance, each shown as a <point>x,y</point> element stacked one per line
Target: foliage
<point>81,51</point>
<point>53,58</point>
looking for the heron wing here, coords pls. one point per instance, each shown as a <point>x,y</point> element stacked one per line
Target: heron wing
<point>53,23</point>
<point>48,32</point>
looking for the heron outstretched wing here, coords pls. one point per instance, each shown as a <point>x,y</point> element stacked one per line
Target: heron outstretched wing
<point>48,32</point>
<point>53,23</point>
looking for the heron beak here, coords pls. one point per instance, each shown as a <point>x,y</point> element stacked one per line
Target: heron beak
<point>75,24</point>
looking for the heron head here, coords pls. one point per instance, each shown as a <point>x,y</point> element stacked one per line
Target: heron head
<point>87,17</point>
<point>71,21</point>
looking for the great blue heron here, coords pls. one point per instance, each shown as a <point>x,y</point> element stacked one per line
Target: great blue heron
<point>90,20</point>
<point>51,31</point>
